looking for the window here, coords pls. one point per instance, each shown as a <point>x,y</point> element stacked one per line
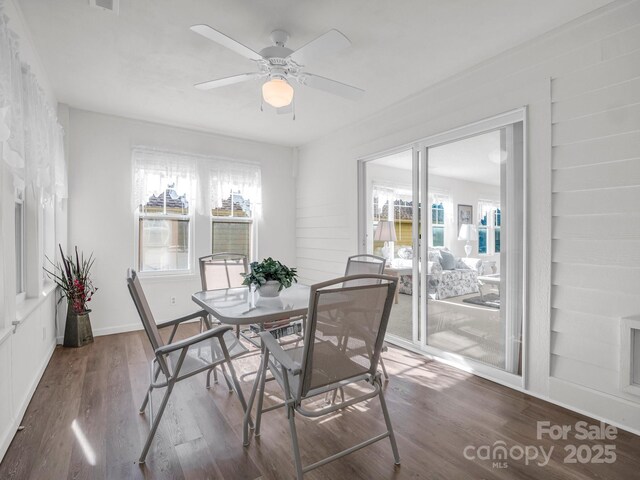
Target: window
<point>165,187</point>
<point>235,200</point>
<point>400,213</point>
<point>20,242</point>
<point>440,208</point>
<point>489,227</point>
<point>437,224</point>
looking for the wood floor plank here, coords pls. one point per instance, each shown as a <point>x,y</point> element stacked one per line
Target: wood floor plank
<point>436,411</point>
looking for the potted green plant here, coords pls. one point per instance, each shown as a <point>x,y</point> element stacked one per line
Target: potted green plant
<point>73,278</point>
<point>270,277</point>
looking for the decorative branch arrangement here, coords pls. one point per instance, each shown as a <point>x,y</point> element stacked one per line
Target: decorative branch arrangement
<point>73,278</point>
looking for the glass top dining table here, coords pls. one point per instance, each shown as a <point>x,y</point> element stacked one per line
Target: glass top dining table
<point>240,306</point>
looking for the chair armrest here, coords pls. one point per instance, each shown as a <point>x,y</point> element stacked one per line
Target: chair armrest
<point>191,316</point>
<point>214,332</point>
<point>278,352</point>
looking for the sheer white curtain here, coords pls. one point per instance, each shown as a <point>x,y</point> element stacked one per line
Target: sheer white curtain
<point>30,134</point>
<point>154,171</point>
<point>226,178</point>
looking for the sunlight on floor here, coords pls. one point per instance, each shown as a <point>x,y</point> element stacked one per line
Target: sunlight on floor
<point>89,454</point>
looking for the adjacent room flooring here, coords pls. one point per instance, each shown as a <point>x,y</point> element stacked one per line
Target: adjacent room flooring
<point>83,424</point>
<point>455,326</point>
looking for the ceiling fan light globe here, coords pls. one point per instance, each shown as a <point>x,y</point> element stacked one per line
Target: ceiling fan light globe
<point>277,92</point>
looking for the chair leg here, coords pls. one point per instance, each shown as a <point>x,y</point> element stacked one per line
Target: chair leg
<point>146,400</point>
<point>247,413</point>
<point>208,385</point>
<point>238,389</point>
<point>261,385</point>
<point>294,442</point>
<point>155,424</point>
<point>387,420</point>
<point>384,370</point>
<point>226,377</point>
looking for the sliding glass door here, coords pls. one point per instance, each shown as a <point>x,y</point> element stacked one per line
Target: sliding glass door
<point>448,215</point>
<point>390,228</point>
<point>474,254</point>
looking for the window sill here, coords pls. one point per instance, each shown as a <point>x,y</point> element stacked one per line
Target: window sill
<point>149,277</point>
<point>27,306</point>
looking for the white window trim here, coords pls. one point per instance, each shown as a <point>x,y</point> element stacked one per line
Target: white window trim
<point>628,324</point>
<point>19,197</point>
<point>191,216</point>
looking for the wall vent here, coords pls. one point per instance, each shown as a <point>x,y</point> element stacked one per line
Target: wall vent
<point>109,5</point>
<point>630,355</point>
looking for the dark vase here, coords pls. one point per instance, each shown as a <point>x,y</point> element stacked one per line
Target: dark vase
<point>77,331</point>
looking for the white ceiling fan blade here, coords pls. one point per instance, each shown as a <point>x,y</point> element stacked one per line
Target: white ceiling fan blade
<point>218,37</point>
<point>329,43</point>
<point>223,82</point>
<point>331,86</point>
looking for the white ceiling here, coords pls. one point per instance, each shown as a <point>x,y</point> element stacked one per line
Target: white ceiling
<point>473,159</point>
<point>143,62</point>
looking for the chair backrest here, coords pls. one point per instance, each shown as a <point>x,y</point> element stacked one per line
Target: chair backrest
<point>363,264</point>
<point>222,270</point>
<point>345,329</point>
<point>148,322</point>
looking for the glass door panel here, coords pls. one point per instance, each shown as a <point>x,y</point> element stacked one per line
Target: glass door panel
<point>391,231</point>
<point>473,259</point>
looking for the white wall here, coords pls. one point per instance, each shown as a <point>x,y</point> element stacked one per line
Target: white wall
<point>327,182</point>
<point>101,217</point>
<point>25,348</point>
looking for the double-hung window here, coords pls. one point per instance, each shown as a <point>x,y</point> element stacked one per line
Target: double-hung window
<point>165,192</point>
<point>489,227</point>
<point>440,208</point>
<point>235,190</point>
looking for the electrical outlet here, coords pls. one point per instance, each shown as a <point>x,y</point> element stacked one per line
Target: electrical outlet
<point>172,300</point>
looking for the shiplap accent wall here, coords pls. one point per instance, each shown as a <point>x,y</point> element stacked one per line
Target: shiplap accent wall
<point>579,281</point>
<point>596,210</point>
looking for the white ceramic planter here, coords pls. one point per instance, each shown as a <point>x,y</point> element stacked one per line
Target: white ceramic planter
<point>270,289</point>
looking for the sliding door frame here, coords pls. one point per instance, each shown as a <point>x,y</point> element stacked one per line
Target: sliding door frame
<point>420,183</point>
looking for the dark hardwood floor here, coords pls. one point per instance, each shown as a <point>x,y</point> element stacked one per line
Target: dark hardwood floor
<point>83,424</point>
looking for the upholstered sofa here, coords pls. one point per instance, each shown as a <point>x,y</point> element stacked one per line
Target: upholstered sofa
<point>460,277</point>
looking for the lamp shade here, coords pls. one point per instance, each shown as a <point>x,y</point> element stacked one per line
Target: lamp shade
<point>467,232</point>
<point>277,92</point>
<point>385,232</point>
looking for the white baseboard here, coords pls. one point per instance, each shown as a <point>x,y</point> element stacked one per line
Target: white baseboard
<point>99,332</point>
<point>10,433</point>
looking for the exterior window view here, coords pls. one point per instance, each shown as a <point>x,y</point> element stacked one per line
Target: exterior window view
<point>164,230</point>
<point>231,226</point>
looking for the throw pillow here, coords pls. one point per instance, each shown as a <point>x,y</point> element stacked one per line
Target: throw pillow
<point>447,260</point>
<point>460,265</point>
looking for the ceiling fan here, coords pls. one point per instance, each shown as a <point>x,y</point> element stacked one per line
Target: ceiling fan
<point>281,66</point>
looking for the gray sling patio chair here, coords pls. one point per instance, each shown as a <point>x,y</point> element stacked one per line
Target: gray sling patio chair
<point>365,263</point>
<point>177,360</point>
<point>359,305</point>
<point>217,271</point>
<point>222,270</point>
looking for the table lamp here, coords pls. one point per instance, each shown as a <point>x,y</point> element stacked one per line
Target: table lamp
<point>468,233</point>
<point>385,232</point>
